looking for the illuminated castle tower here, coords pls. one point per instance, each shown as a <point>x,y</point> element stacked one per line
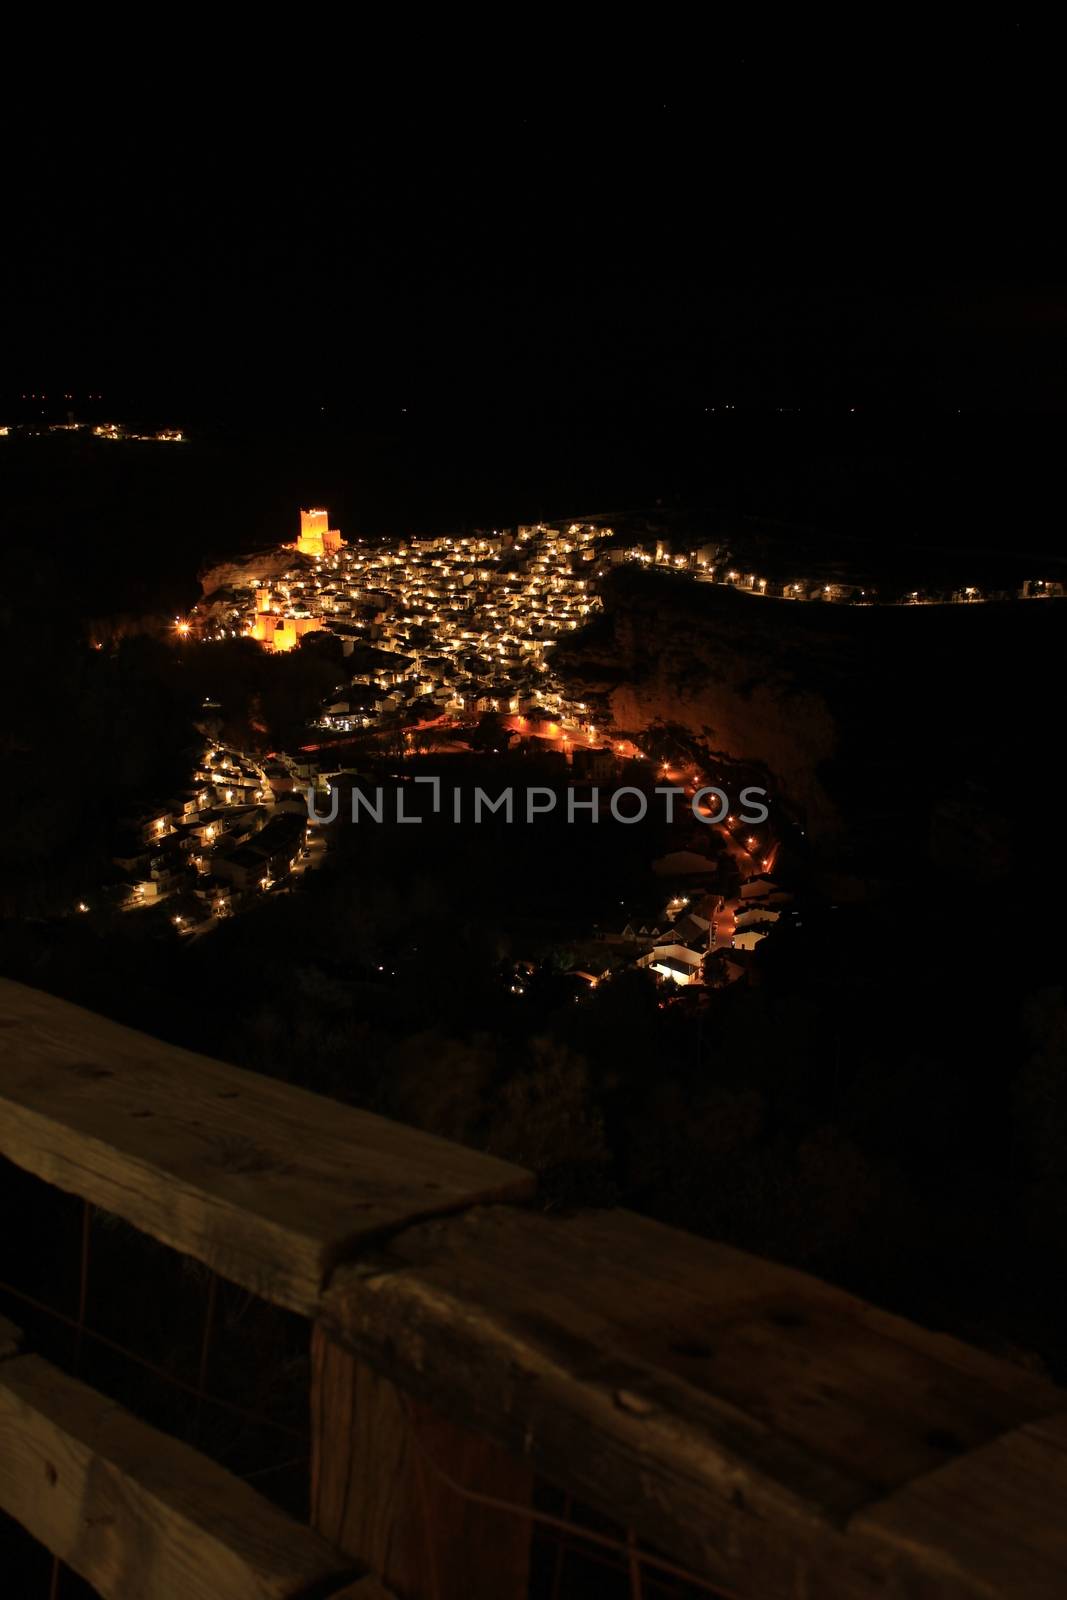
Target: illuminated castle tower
<point>317,538</point>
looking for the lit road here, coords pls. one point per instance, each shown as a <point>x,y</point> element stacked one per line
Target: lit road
<point>725,926</point>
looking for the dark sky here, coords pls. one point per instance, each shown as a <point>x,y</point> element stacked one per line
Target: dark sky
<point>646,250</point>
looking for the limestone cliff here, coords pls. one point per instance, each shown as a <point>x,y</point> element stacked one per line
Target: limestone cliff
<point>864,718</point>
<point>263,567</point>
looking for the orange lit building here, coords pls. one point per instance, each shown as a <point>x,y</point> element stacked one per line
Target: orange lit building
<point>279,632</point>
<point>317,538</point>
<point>282,633</point>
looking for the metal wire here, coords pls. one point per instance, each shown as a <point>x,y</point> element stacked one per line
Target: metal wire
<point>663,1584</point>
<point>279,1466</point>
<point>83,1281</point>
<point>424,1504</point>
<point>635,1565</point>
<point>561,1549</point>
<point>79,1332</point>
<point>150,1366</point>
<point>205,1350</point>
<point>575,1529</point>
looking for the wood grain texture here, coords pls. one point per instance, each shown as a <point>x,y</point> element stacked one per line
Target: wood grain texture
<point>766,1430</point>
<point>376,1488</point>
<point>266,1183</point>
<point>998,1514</point>
<point>136,1513</point>
<point>739,1415</point>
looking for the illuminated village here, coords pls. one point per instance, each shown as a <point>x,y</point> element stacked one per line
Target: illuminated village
<point>474,619</point>
<point>454,623</point>
<point>436,633</point>
<point>116,432</point>
<point>434,636</point>
<point>236,831</point>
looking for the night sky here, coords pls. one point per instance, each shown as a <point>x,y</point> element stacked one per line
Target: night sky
<point>617,248</point>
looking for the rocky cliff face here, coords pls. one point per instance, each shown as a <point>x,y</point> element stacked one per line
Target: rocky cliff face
<point>863,718</point>
<point>738,701</point>
<point>261,568</point>
<point>711,662</point>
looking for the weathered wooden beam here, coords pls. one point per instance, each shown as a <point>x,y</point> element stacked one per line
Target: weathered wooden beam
<point>376,1488</point>
<point>997,1514</point>
<point>135,1512</point>
<point>761,1428</point>
<point>266,1183</point>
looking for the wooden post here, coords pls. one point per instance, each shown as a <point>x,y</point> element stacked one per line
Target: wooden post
<point>138,1513</point>
<point>378,1493</point>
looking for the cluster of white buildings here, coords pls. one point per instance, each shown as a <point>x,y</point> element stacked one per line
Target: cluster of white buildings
<point>450,625</point>
<point>712,563</point>
<point>102,430</point>
<point>431,626</point>
<point>237,830</point>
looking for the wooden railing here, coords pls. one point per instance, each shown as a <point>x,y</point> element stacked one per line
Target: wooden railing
<point>756,1427</point>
